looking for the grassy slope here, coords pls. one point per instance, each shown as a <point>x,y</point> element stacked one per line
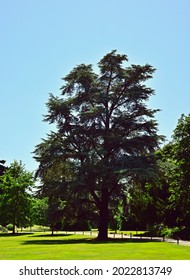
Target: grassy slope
<point>41,246</point>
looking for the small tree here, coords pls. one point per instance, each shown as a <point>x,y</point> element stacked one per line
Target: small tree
<point>15,185</point>
<point>38,211</point>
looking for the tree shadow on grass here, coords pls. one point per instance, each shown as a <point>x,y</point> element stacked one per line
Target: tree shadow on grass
<point>15,234</point>
<point>52,235</point>
<point>52,241</point>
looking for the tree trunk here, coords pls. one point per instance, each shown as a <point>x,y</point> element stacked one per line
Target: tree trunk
<point>14,224</point>
<point>103,217</point>
<point>14,229</point>
<point>52,229</point>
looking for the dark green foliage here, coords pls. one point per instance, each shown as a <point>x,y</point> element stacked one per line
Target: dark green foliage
<point>175,158</point>
<point>14,196</point>
<point>10,226</point>
<point>181,183</point>
<point>170,199</point>
<point>106,135</point>
<point>3,229</point>
<point>38,211</point>
<point>2,167</point>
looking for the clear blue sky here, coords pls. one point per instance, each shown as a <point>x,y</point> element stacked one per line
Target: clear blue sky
<point>42,40</point>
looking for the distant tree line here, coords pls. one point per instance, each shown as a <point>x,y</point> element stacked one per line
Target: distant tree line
<point>163,204</point>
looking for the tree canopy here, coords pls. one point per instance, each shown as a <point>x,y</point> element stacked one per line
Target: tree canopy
<point>176,155</point>
<point>2,167</point>
<point>105,134</point>
<point>15,184</point>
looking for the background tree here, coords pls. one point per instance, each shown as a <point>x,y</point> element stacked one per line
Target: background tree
<point>177,155</point>
<point>149,203</point>
<point>105,133</point>
<point>38,211</point>
<point>2,167</point>
<point>55,187</point>
<point>79,213</point>
<point>15,185</point>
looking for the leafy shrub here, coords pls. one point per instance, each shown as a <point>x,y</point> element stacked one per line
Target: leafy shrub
<point>183,233</point>
<point>175,232</point>
<point>163,230</point>
<point>3,229</point>
<point>78,226</point>
<point>166,231</point>
<point>156,230</point>
<point>9,226</point>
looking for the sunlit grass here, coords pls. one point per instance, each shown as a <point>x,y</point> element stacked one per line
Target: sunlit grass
<point>43,246</point>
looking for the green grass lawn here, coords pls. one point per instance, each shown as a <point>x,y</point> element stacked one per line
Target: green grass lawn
<point>43,246</point>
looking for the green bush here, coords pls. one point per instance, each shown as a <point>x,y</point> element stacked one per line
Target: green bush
<point>9,226</point>
<point>175,232</point>
<point>166,231</point>
<point>156,230</point>
<point>163,230</point>
<point>3,229</point>
<point>182,233</point>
